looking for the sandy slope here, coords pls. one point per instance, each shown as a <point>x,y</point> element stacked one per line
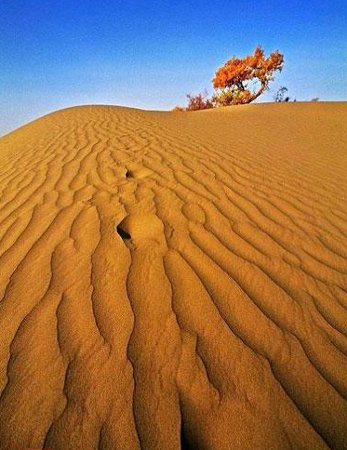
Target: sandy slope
<point>175,279</point>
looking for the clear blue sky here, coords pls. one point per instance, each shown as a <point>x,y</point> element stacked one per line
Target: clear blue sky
<point>149,54</point>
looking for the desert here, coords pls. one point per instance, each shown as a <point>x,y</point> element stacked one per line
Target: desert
<point>174,279</point>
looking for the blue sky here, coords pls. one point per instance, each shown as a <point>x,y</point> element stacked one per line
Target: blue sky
<point>149,54</point>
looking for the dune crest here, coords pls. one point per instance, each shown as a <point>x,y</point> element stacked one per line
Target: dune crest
<point>175,280</point>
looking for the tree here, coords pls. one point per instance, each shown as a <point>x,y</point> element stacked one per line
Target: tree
<point>232,80</point>
<point>279,96</point>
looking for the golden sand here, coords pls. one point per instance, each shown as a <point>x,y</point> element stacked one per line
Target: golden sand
<point>175,280</point>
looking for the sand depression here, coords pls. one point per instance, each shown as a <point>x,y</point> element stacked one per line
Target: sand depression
<point>175,280</point>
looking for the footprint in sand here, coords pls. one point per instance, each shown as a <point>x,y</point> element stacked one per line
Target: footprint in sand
<point>140,227</point>
<point>138,173</point>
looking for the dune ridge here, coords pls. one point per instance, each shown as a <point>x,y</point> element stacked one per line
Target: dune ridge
<point>175,280</point>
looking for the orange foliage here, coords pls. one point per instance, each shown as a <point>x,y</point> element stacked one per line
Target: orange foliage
<point>232,78</point>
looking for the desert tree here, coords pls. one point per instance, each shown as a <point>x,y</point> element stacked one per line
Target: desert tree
<point>234,79</point>
<point>280,95</point>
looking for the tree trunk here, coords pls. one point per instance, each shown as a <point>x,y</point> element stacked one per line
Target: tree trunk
<point>257,94</point>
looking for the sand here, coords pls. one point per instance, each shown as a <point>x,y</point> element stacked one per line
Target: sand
<point>175,280</point>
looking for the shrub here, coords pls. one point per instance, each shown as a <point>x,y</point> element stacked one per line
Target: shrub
<point>198,102</point>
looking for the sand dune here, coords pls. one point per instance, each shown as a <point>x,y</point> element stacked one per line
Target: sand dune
<point>175,280</point>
